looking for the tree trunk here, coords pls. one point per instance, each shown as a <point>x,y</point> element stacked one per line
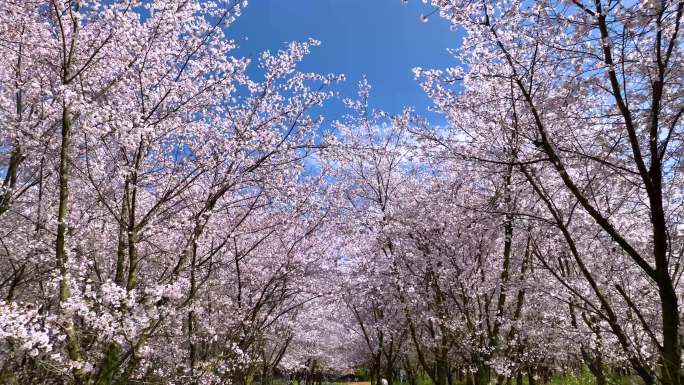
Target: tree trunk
<point>595,364</point>
<point>672,353</point>
<point>389,373</point>
<point>530,376</point>
<point>482,375</point>
<point>108,365</point>
<point>441,369</point>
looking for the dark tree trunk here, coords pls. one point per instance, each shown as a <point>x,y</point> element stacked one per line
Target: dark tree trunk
<point>482,375</point>
<point>441,369</point>
<point>530,376</point>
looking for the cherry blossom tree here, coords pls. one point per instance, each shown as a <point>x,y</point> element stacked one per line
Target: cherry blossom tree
<point>143,174</point>
<point>590,93</point>
<point>167,216</point>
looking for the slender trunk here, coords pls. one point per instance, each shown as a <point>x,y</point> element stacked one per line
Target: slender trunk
<point>376,370</point>
<point>15,157</point>
<point>110,362</point>
<point>132,233</point>
<point>73,345</point>
<point>596,368</point>
<point>441,367</point>
<point>109,365</point>
<point>389,373</point>
<point>482,374</point>
<point>123,238</point>
<point>133,261</point>
<point>672,352</point>
<point>593,358</point>
<point>531,379</point>
<point>132,195</point>
<point>16,280</point>
<point>191,314</point>
<point>411,374</point>
<point>10,179</point>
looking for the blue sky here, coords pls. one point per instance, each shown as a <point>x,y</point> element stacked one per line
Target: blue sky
<point>382,39</point>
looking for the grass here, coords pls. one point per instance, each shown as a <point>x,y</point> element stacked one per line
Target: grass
<point>584,377</point>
